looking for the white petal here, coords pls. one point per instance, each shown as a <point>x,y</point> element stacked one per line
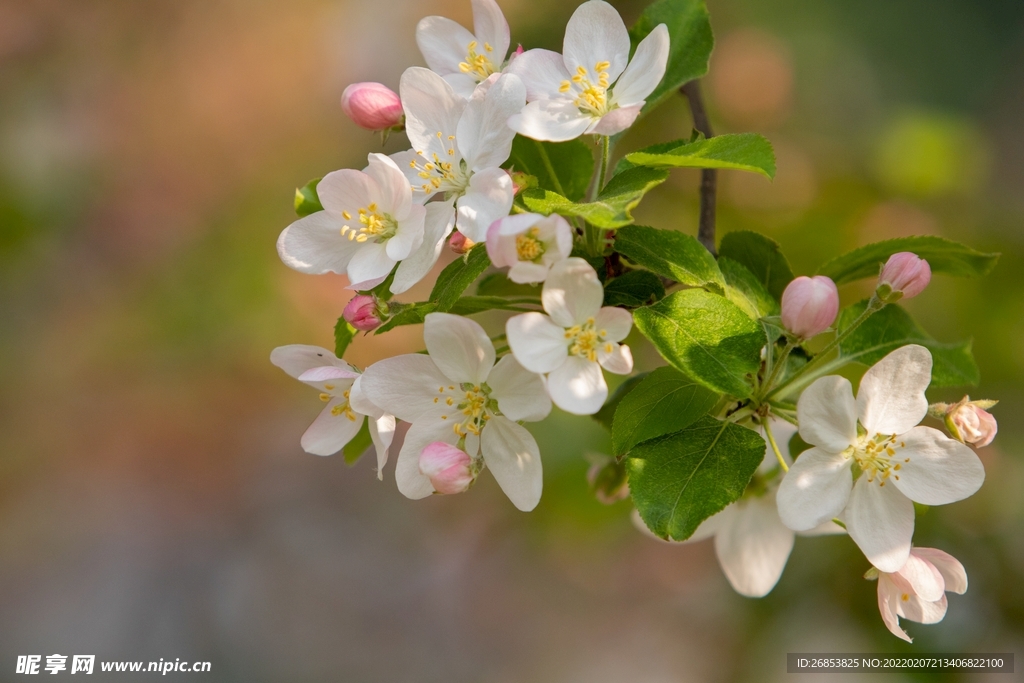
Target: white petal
<point>491,28</point>
<point>891,397</point>
<point>577,386</point>
<point>615,121</point>
<point>484,137</point>
<point>816,489</point>
<point>954,576</point>
<point>404,385</point>
<point>922,611</point>
<point>501,243</point>
<point>347,190</point>
<point>888,599</point>
<point>537,343</point>
<point>382,433</point>
<point>408,235</point>
<point>488,198</point>
<point>527,273</point>
<point>395,193</point>
<point>613,323</point>
<point>880,520</point>
<point>443,43</point>
<point>407,163</point>
<point>923,577</point>
<point>295,359</point>
<point>462,84</point>
<point>940,470</point>
<point>360,402</point>
<point>615,358</point>
<point>326,373</point>
<point>512,455</point>
<point>552,120</point>
<point>595,33</point>
<point>430,428</point>
<point>438,224</point>
<point>827,414</point>
<point>369,266</point>
<point>753,547</point>
<point>542,71</point>
<point>329,433</point>
<point>313,244</point>
<point>459,347</point>
<point>519,392</point>
<point>431,106</point>
<point>572,293</point>
<point>645,70</point>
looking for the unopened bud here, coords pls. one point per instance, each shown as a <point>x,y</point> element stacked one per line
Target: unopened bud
<point>519,50</point>
<point>362,313</point>
<point>373,106</point>
<point>968,421</point>
<point>459,243</point>
<point>449,469</point>
<point>904,276</point>
<point>809,305</point>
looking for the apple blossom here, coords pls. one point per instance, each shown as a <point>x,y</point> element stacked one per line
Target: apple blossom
<point>574,340</point>
<point>458,395</point>
<point>903,276</point>
<point>463,58</point>
<point>529,244</point>
<point>340,388</point>
<point>920,463</point>
<point>449,469</point>
<point>917,590</point>
<point>373,106</point>
<point>589,88</point>
<point>458,146</point>
<point>369,223</point>
<point>361,312</point>
<point>809,305</point>
<point>968,421</point>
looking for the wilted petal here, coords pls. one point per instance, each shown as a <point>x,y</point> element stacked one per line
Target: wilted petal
<point>753,546</point>
<point>935,469</point>
<point>891,397</point>
<point>880,520</point>
<point>519,392</point>
<point>537,342</point>
<point>816,489</point>
<point>827,413</point>
<point>577,386</point>
<point>513,458</point>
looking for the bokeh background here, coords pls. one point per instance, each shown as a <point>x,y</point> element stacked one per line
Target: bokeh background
<point>154,501</point>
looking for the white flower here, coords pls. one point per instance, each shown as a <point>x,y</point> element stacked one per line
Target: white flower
<point>529,244</point>
<point>369,223</point>
<point>459,395</point>
<point>575,340</point>
<point>340,387</point>
<point>463,58</point>
<point>895,461</point>
<point>751,542</point>
<point>918,590</point>
<point>459,146</point>
<point>589,88</point>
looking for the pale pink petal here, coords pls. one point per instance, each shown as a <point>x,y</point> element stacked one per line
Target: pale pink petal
<point>891,397</point>
<point>520,393</point>
<point>572,293</point>
<point>953,574</point>
<point>459,347</point>
<point>880,520</point>
<point>578,386</point>
<point>816,489</point>
<point>827,414</point>
<point>615,121</point>
<point>645,70</point>
<point>537,343</point>
<point>430,428</point>
<point>501,243</point>
<point>513,458</point>
<point>922,611</point>
<point>923,577</point>
<point>888,600</point>
<point>935,469</point>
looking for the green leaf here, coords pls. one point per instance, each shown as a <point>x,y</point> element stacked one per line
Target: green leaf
<point>691,40</point>
<point>306,199</point>
<point>410,314</point>
<point>680,480</point>
<point>633,289</point>
<point>359,444</point>
<point>498,284</point>
<point>670,254</point>
<point>762,256</point>
<point>944,256</point>
<point>892,327</point>
<point>468,305</point>
<point>343,336</point>
<point>612,207</point>
<point>746,291</point>
<point>706,337</point>
<point>607,413</point>
<point>458,276</point>
<point>666,401</point>
<point>563,167</point>
<point>740,151</point>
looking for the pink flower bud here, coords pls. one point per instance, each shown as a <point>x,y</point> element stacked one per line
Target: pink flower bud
<point>372,106</point>
<point>903,276</point>
<point>519,50</point>
<point>459,243</point>
<point>809,305</point>
<point>361,312</point>
<point>971,423</point>
<point>448,468</point>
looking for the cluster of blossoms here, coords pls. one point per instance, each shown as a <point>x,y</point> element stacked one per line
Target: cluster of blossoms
<point>465,400</point>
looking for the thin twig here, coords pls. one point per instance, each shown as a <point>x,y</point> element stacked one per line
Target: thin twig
<point>709,176</point>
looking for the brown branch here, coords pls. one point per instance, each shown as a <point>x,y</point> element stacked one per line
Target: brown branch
<point>709,176</point>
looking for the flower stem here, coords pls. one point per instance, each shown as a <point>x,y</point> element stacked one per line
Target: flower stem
<point>606,152</point>
<point>778,365</point>
<point>775,446</point>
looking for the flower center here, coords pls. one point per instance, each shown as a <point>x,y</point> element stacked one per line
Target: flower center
<point>340,409</point>
<point>476,65</point>
<point>441,174</point>
<point>372,225</point>
<point>878,457</point>
<point>528,245</point>
<point>471,407</point>
<point>590,97</point>
<point>585,340</point>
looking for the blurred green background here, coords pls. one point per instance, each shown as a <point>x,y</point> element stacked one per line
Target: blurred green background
<point>154,502</point>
